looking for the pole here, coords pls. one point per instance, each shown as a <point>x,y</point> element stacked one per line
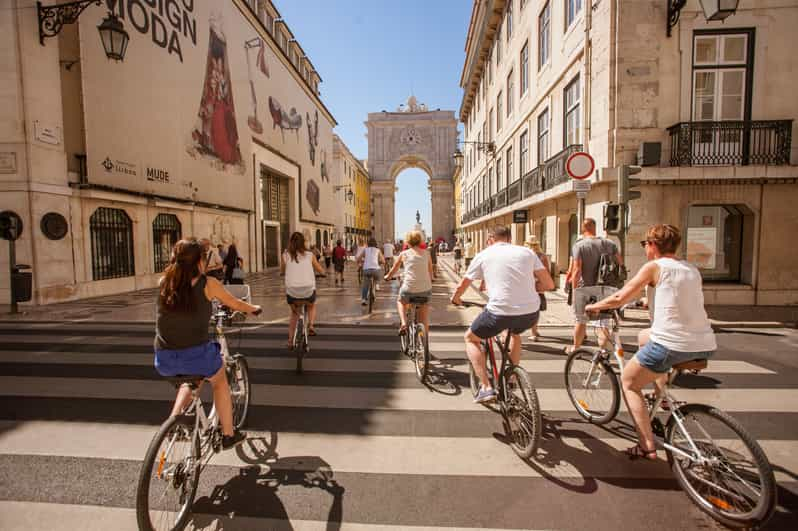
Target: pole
<point>580,212</point>
<point>622,235</point>
<point>12,263</point>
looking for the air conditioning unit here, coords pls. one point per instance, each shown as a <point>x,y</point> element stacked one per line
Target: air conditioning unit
<point>649,153</point>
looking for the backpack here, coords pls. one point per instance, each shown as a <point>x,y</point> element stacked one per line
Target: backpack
<point>610,272</point>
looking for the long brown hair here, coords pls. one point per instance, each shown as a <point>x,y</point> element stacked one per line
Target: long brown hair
<point>184,266</point>
<point>296,246</point>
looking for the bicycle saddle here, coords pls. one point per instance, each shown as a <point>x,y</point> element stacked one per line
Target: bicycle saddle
<point>694,365</point>
<point>193,380</point>
<point>418,300</point>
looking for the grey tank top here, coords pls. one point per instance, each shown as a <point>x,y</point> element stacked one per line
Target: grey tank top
<point>176,330</point>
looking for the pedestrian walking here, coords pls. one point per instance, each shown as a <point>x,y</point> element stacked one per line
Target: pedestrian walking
<point>469,252</point>
<point>222,252</point>
<point>230,262</point>
<point>327,252</point>
<point>339,260</point>
<point>533,244</point>
<point>214,267</point>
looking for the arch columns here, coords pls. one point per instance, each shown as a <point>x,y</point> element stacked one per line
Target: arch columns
<point>383,203</point>
<point>442,190</point>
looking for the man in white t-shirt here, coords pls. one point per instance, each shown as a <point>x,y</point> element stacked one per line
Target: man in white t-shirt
<point>510,272</point>
<point>387,253</point>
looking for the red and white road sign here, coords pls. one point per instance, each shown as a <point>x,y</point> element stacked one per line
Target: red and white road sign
<point>580,165</point>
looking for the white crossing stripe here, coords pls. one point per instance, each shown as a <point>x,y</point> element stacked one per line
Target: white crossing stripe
<point>414,399</point>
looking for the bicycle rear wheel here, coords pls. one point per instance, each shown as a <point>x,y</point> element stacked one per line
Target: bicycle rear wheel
<point>421,354</point>
<point>523,424</point>
<point>371,295</point>
<point>240,389</point>
<point>299,343</point>
<point>592,386</point>
<point>734,482</point>
<point>169,476</point>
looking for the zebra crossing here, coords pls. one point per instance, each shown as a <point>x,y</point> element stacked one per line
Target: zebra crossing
<point>355,442</point>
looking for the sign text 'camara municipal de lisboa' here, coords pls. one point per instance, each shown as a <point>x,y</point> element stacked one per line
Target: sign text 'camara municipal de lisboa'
<point>170,23</point>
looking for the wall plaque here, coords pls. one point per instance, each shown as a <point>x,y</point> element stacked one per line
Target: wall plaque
<point>8,162</point>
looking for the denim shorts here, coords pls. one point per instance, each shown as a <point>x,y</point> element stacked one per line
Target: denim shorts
<point>292,300</point>
<point>204,360</point>
<point>488,325</point>
<point>659,358</point>
<point>405,296</point>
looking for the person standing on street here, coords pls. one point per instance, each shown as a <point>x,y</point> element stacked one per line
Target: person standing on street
<point>387,253</point>
<point>222,252</point>
<point>339,261</point>
<point>458,257</point>
<point>469,252</point>
<point>214,267</point>
<point>533,245</point>
<point>230,262</point>
<point>584,271</point>
<point>327,252</point>
<point>369,259</point>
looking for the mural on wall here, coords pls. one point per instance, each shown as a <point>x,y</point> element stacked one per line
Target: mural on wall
<point>313,196</point>
<point>324,175</point>
<point>291,120</point>
<point>313,137</point>
<point>215,136</point>
<point>263,68</point>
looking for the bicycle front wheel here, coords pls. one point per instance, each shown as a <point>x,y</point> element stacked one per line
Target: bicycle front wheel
<point>421,356</point>
<point>240,389</point>
<point>169,477</point>
<point>299,344</point>
<point>523,424</point>
<point>730,479</point>
<point>592,386</point>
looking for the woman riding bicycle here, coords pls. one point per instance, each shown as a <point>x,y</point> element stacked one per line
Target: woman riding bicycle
<point>182,346</point>
<point>298,265</point>
<point>370,260</point>
<point>680,330</point>
<point>416,282</point>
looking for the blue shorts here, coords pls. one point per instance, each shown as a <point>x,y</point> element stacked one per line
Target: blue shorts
<point>488,325</point>
<point>659,358</point>
<point>204,360</point>
<point>421,297</point>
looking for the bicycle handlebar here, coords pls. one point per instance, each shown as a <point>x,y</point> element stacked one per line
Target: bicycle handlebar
<point>469,304</point>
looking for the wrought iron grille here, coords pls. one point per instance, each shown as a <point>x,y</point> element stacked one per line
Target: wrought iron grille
<point>500,198</point>
<point>532,182</point>
<point>111,244</point>
<point>514,192</point>
<point>166,231</point>
<point>731,143</point>
<point>554,168</point>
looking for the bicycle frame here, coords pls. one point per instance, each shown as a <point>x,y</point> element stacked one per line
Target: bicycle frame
<point>504,348</point>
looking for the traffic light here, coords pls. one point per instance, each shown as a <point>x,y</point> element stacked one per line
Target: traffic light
<point>626,185</point>
<point>612,218</point>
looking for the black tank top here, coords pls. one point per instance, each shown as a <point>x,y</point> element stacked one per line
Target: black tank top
<point>176,330</point>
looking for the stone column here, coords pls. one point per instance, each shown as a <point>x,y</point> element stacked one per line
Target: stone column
<point>442,208</point>
<point>383,194</point>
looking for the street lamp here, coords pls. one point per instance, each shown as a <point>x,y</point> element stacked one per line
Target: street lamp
<point>112,31</point>
<point>488,147</point>
<point>348,188</point>
<point>713,10</point>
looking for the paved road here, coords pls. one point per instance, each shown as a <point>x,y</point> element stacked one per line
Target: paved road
<point>80,401</point>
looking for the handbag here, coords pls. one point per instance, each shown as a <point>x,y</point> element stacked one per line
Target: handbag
<point>543,303</point>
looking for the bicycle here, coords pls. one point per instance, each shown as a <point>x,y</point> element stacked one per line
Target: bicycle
<point>704,457</point>
<point>185,444</point>
<point>300,343</point>
<point>516,396</point>
<point>415,340</point>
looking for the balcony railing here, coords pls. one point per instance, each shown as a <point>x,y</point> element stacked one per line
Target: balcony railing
<point>731,143</point>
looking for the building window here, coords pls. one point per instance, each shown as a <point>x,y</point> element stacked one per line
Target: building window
<point>111,244</point>
<point>721,66</point>
<point>523,149</point>
<point>499,182</point>
<point>490,67</point>
<point>509,20</point>
<point>479,141</point>
<point>510,93</point>
<point>544,35</point>
<point>571,110</point>
<point>719,242</point>
<point>509,157</point>
<point>572,9</point>
<point>491,182</point>
<point>499,46</point>
<point>490,125</point>
<point>166,231</point>
<point>543,136</point>
<point>499,112</point>
<point>524,67</point>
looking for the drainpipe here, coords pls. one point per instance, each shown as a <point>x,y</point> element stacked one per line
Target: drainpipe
<point>586,55</point>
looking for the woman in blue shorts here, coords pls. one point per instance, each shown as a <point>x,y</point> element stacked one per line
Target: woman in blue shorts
<point>416,281</point>
<point>182,345</point>
<point>680,330</point>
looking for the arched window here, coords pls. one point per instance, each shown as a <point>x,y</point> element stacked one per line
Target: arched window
<point>318,238</point>
<point>111,244</point>
<point>166,231</point>
<point>326,238</point>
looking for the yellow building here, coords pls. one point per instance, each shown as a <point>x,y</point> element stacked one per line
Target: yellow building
<point>352,186</point>
<point>362,190</point>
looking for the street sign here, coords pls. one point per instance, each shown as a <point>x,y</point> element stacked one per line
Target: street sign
<point>520,216</point>
<point>580,186</point>
<point>581,195</point>
<point>580,165</point>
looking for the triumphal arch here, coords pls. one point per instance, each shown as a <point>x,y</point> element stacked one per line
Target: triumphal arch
<point>412,137</point>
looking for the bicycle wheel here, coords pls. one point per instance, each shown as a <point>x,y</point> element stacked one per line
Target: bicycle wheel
<point>169,476</point>
<point>421,355</point>
<point>299,345</point>
<point>592,386</point>
<point>371,295</point>
<point>238,379</point>
<point>523,424</point>
<point>404,341</point>
<point>734,482</point>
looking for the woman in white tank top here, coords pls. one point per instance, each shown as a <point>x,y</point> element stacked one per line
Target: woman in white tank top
<point>680,331</point>
<point>417,281</point>
<point>300,267</point>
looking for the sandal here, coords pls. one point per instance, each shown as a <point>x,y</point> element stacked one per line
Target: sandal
<point>402,330</point>
<point>638,452</point>
<point>311,331</point>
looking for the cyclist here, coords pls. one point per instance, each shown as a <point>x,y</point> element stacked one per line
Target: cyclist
<point>339,261</point>
<point>513,303</point>
<point>298,265</point>
<point>680,331</point>
<point>182,346</point>
<point>369,259</point>
<point>416,281</point>
<point>458,257</point>
<point>387,252</point>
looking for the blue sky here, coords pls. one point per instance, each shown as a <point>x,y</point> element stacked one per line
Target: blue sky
<point>371,54</point>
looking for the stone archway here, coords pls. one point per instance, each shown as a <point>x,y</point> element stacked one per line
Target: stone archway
<point>412,137</point>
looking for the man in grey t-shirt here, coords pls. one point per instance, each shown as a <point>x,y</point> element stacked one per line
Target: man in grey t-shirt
<point>585,268</point>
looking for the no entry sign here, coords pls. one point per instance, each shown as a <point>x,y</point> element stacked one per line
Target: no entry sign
<point>580,165</point>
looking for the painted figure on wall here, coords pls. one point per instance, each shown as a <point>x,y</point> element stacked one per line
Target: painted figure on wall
<point>324,174</point>
<point>291,120</point>
<point>216,132</point>
<point>263,68</point>
<point>313,137</point>
<point>312,194</point>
